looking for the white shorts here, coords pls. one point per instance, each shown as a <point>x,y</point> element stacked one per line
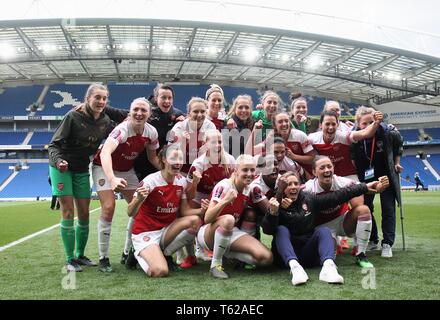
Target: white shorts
<point>236,233</point>
<point>102,183</point>
<point>336,226</point>
<point>145,239</point>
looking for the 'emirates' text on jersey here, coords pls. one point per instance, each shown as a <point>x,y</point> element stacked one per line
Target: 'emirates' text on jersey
<point>162,204</point>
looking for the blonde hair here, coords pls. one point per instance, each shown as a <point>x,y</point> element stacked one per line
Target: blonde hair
<point>196,100</point>
<point>362,111</point>
<point>271,93</point>
<point>214,88</point>
<point>223,160</point>
<point>140,100</point>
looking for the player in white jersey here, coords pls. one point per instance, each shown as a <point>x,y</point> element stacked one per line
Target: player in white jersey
<point>158,231</point>
<point>230,198</point>
<point>342,220</point>
<point>285,163</point>
<point>113,171</point>
<point>205,172</point>
<point>189,133</point>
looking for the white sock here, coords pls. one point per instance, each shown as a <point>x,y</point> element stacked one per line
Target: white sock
<point>182,239</point>
<point>222,242</point>
<point>104,230</point>
<point>293,264</point>
<point>363,231</point>
<point>128,235</point>
<point>244,257</point>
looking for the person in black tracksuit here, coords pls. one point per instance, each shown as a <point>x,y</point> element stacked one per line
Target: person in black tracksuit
<point>375,157</point>
<point>296,242</point>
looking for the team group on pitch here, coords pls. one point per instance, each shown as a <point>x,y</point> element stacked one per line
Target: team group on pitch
<point>203,186</point>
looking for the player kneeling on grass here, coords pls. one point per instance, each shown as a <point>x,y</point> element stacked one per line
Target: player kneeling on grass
<point>157,232</point>
<point>296,242</point>
<point>229,200</point>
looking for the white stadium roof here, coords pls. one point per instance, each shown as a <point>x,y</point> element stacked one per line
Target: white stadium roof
<point>372,51</point>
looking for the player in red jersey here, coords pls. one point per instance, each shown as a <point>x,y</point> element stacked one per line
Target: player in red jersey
<point>216,113</point>
<point>159,200</point>
<point>335,144</point>
<point>113,169</point>
<point>229,199</point>
<point>342,220</point>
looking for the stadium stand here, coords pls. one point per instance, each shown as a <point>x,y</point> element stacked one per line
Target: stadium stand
<point>41,138</point>
<point>412,164</point>
<point>29,183</point>
<point>61,98</point>
<point>409,134</point>
<point>4,171</point>
<point>434,133</point>
<point>14,101</point>
<point>12,138</point>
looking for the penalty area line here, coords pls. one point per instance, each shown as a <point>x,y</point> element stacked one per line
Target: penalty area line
<point>33,235</point>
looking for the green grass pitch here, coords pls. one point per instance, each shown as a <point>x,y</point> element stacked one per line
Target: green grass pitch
<point>33,269</point>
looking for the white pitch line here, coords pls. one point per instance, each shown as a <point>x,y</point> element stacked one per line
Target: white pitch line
<point>33,235</point>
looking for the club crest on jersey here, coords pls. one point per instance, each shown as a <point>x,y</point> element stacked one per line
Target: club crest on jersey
<point>101,182</point>
<point>218,192</point>
<point>60,186</point>
<point>115,134</point>
<point>305,207</point>
<point>146,238</point>
<point>257,193</point>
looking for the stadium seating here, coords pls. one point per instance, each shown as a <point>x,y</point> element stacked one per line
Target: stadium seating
<point>14,101</point>
<point>434,133</point>
<point>61,98</point>
<point>30,183</point>
<point>409,134</point>
<point>41,138</point>
<point>412,164</point>
<point>434,160</point>
<point>12,138</point>
<point>4,171</point>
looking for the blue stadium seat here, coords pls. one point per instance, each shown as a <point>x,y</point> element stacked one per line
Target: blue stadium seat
<point>14,101</point>
<point>410,134</point>
<point>30,182</point>
<point>41,138</point>
<point>433,132</point>
<point>10,138</point>
<point>412,164</point>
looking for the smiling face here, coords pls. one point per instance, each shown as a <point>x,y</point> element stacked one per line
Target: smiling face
<point>329,126</point>
<point>164,99</point>
<point>215,103</point>
<point>173,161</point>
<point>139,113</point>
<point>270,105</point>
<point>243,109</point>
<point>214,141</point>
<point>300,107</point>
<point>324,171</point>
<point>292,188</point>
<point>97,101</point>
<point>282,124</point>
<point>245,172</point>
<point>197,113</point>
